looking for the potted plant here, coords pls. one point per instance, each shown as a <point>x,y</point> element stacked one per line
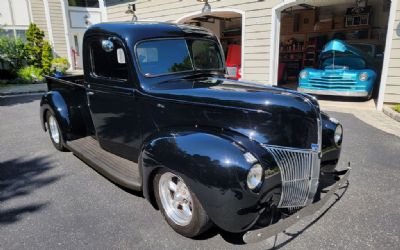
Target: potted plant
<point>59,66</point>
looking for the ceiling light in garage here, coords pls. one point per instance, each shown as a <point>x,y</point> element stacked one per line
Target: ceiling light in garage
<point>206,7</point>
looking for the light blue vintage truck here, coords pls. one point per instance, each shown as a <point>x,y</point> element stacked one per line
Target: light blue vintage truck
<point>344,70</point>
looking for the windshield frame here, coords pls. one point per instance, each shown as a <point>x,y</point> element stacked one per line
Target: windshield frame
<point>193,70</point>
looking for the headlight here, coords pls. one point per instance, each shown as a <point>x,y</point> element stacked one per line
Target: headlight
<point>363,76</point>
<point>338,135</point>
<point>303,74</point>
<point>254,177</point>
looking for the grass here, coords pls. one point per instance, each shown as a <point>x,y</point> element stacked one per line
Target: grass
<point>397,108</point>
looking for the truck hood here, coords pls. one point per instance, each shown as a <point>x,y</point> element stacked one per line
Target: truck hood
<point>268,115</point>
<point>339,46</point>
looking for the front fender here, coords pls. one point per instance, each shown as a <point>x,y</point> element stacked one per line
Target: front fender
<point>214,168</point>
<point>330,151</point>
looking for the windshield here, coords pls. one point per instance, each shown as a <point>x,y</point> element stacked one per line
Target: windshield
<point>366,48</point>
<point>339,60</point>
<point>160,57</point>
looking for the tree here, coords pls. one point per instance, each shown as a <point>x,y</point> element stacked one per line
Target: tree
<point>34,45</point>
<point>47,57</point>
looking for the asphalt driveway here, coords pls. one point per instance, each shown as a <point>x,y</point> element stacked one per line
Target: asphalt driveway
<point>52,200</point>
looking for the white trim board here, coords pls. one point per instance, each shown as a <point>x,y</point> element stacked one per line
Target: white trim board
<point>48,23</point>
<point>275,40</point>
<point>64,8</point>
<point>386,58</point>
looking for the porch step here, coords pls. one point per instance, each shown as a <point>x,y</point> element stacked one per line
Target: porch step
<point>119,170</point>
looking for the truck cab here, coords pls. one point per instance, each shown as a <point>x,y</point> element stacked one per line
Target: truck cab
<point>155,113</point>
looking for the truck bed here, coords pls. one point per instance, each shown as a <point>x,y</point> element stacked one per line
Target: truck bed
<point>54,82</point>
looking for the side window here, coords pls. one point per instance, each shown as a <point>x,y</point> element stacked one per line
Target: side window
<point>108,59</point>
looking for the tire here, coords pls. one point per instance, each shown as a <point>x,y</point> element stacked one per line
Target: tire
<point>176,216</point>
<point>55,132</point>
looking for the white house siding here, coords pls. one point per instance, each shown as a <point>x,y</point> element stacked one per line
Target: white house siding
<point>57,25</point>
<point>392,91</point>
<point>39,15</point>
<point>257,25</point>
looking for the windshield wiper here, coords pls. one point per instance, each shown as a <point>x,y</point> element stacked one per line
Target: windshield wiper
<point>196,74</point>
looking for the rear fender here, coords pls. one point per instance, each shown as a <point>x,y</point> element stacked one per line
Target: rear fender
<point>71,124</point>
<point>54,102</point>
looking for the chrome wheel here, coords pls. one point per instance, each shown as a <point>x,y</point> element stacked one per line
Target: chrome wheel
<point>54,133</point>
<point>175,199</point>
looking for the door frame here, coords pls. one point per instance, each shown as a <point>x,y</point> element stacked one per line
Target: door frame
<point>275,41</point>
<point>215,11</point>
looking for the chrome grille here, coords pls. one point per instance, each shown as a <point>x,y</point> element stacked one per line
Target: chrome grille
<point>300,175</point>
<point>336,82</point>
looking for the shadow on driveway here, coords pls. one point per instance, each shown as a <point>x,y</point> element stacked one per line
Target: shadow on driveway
<point>19,178</point>
<point>19,99</point>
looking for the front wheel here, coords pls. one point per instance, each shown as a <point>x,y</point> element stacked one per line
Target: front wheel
<point>55,132</point>
<point>179,206</point>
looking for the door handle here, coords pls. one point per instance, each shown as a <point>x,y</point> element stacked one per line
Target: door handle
<point>90,93</point>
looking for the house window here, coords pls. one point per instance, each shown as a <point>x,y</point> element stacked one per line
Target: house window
<point>84,3</point>
<point>19,33</point>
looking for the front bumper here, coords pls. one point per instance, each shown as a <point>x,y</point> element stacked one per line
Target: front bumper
<point>334,92</point>
<point>265,233</point>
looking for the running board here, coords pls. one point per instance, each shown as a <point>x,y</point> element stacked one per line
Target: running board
<point>119,170</point>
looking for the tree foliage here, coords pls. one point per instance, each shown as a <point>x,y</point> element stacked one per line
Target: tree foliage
<point>30,74</point>
<point>12,51</point>
<point>34,45</point>
<point>59,64</point>
<point>47,57</point>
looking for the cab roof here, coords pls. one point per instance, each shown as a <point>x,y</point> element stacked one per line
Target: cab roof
<point>135,31</point>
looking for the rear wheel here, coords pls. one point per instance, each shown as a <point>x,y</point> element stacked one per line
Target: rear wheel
<point>55,131</point>
<point>179,206</point>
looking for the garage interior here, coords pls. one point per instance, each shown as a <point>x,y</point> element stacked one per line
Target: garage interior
<point>228,27</point>
<point>305,29</point>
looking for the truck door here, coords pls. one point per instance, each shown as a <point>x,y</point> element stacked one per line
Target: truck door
<point>111,96</point>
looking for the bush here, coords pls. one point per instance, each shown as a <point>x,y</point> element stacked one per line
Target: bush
<point>59,64</point>
<point>30,74</point>
<point>397,108</point>
<point>47,57</point>
<point>34,45</point>
<point>12,53</point>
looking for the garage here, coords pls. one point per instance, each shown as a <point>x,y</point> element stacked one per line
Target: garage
<point>333,48</point>
<point>228,26</point>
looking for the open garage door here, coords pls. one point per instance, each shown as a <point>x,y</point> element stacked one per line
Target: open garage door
<point>333,48</point>
<point>228,27</point>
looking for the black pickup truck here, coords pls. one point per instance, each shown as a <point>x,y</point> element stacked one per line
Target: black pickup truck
<point>154,112</point>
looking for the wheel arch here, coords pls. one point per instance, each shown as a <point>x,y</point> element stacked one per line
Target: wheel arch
<point>54,102</point>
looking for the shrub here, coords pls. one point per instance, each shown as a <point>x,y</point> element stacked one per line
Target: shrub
<point>397,108</point>
<point>34,45</point>
<point>30,74</point>
<point>12,53</point>
<point>59,64</point>
<point>47,57</point>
